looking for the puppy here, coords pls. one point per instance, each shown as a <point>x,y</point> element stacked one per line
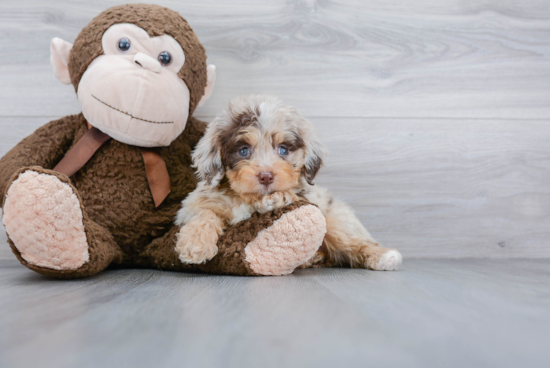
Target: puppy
<point>259,155</point>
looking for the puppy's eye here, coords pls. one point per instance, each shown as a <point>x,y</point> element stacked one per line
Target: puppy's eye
<point>124,44</point>
<point>283,151</point>
<point>244,152</point>
<point>165,58</point>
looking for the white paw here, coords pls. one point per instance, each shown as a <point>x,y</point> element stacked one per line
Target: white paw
<point>389,261</point>
<point>275,200</point>
<point>196,254</point>
<point>195,248</point>
<point>268,203</point>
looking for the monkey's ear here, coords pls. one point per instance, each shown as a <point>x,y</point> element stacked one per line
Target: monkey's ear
<point>59,58</point>
<point>210,80</point>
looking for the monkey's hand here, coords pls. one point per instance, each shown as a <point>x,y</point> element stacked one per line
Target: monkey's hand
<point>197,239</point>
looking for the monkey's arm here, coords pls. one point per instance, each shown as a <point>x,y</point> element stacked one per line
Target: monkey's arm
<point>273,243</point>
<point>45,148</point>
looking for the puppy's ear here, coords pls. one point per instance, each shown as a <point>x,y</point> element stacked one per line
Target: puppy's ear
<point>315,155</point>
<point>207,157</point>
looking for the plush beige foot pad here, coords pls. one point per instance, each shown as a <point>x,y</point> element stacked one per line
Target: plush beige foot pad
<point>43,219</point>
<point>290,242</point>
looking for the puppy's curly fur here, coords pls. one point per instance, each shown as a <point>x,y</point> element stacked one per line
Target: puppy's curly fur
<point>259,155</point>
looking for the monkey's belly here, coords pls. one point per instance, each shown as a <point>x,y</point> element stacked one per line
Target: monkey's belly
<point>115,194</point>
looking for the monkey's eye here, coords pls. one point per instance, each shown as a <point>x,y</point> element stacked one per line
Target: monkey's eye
<point>165,58</point>
<point>244,152</point>
<point>283,151</point>
<point>124,44</point>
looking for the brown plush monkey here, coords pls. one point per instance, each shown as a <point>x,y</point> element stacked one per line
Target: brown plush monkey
<point>102,188</point>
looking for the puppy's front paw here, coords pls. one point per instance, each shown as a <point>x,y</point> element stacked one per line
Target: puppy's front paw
<point>275,200</point>
<point>269,202</point>
<point>196,246</point>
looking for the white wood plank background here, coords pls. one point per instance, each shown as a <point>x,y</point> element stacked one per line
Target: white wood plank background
<point>352,58</point>
<point>436,112</point>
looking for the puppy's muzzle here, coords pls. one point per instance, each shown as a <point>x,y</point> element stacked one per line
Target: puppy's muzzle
<point>266,178</point>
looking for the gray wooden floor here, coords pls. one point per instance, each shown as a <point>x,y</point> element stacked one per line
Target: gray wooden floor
<point>432,313</point>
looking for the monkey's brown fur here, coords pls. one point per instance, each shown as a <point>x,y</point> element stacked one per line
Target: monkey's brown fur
<point>123,227</point>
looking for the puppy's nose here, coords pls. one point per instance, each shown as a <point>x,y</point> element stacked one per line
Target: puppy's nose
<point>265,178</point>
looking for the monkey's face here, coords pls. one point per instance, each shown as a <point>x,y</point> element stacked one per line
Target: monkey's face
<point>136,84</point>
<point>133,92</point>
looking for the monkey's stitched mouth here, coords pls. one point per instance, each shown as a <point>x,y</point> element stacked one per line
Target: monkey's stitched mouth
<point>132,116</point>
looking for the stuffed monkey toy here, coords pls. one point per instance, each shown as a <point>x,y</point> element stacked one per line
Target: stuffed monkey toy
<point>102,188</point>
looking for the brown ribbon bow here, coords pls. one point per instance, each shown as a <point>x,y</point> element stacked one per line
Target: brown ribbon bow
<point>84,149</point>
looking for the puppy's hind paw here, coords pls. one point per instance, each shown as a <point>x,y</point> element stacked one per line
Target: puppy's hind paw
<point>389,261</point>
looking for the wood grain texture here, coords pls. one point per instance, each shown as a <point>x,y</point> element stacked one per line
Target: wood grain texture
<point>462,169</point>
<point>430,187</point>
<point>340,58</point>
<point>432,313</point>
<point>444,188</point>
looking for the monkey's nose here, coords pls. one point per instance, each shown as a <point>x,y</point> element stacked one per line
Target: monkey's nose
<point>265,178</point>
<point>147,62</point>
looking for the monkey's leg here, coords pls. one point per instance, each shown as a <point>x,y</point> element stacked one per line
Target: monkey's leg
<point>274,243</point>
<point>49,230</point>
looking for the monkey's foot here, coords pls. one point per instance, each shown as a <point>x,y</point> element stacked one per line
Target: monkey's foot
<point>290,242</point>
<point>44,221</point>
